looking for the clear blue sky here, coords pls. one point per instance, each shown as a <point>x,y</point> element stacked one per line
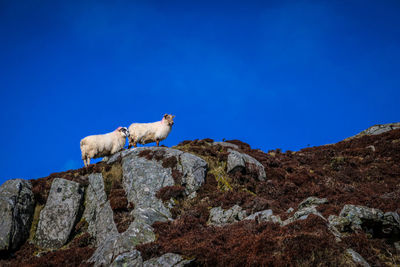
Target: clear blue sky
<point>275,74</point>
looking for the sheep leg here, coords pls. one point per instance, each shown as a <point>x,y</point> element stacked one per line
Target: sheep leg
<point>88,162</point>
<point>134,144</point>
<point>157,142</point>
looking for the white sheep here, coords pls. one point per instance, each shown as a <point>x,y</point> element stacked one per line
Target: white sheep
<point>96,146</point>
<point>144,133</point>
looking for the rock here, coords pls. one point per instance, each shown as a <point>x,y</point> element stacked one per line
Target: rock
<point>118,244</point>
<point>169,259</point>
<point>59,214</point>
<point>241,161</point>
<point>264,216</point>
<point>341,224</point>
<point>226,144</point>
<point>357,258</point>
<point>219,216</point>
<point>194,171</point>
<point>290,210</point>
<point>359,214</point>
<point>302,214</point>
<point>98,212</point>
<point>16,210</point>
<point>312,201</point>
<point>131,258</point>
<point>377,129</point>
<point>357,218</point>
<point>142,179</point>
<point>372,148</point>
<point>192,167</point>
<point>391,223</point>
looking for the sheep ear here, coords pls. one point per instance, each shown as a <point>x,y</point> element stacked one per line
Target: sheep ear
<point>165,115</point>
<point>173,116</point>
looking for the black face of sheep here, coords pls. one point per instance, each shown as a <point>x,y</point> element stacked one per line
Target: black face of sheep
<point>125,131</point>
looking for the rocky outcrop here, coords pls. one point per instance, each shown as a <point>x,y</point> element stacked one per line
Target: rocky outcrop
<point>359,218</point>
<point>98,213</point>
<point>377,129</point>
<point>264,216</point>
<point>16,210</point>
<point>156,206</point>
<point>242,162</point>
<point>191,167</point>
<point>59,215</point>
<point>220,217</point>
<point>145,171</point>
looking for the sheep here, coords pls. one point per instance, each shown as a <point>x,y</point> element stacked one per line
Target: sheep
<point>96,146</point>
<point>144,133</point>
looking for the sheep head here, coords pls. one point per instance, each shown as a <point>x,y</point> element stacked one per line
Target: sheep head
<point>124,131</point>
<point>169,119</point>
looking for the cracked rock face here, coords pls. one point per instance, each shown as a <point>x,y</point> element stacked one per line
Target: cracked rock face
<point>142,178</point>
<point>16,210</point>
<point>98,212</point>
<point>59,214</point>
<point>240,161</point>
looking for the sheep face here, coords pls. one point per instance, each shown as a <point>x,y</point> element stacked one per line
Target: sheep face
<point>169,119</point>
<point>124,131</point>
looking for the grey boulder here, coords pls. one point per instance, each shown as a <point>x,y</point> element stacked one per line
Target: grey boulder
<point>312,201</point>
<point>131,258</point>
<point>240,161</point>
<point>302,214</point>
<point>357,258</point>
<point>357,215</point>
<point>168,259</point>
<point>16,209</point>
<point>142,179</point>
<point>98,212</point>
<point>59,214</point>
<point>264,216</point>
<point>377,129</point>
<point>220,217</point>
<point>192,167</point>
<point>354,218</point>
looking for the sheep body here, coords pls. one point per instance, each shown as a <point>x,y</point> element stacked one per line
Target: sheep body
<point>144,133</point>
<point>97,146</point>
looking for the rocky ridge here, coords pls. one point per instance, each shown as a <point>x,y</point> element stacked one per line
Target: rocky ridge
<point>212,203</point>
